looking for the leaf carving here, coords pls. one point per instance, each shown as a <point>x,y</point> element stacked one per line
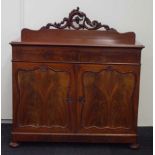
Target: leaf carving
<point>78,20</point>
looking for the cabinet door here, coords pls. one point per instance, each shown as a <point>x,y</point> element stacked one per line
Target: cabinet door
<point>107,98</point>
<point>42,97</point>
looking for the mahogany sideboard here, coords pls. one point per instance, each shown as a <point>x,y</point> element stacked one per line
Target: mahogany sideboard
<point>75,83</point>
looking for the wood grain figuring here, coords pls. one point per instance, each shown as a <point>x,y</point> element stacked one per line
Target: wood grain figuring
<point>75,85</point>
<point>109,95</point>
<point>75,54</point>
<point>43,96</point>
<point>111,92</point>
<point>41,90</point>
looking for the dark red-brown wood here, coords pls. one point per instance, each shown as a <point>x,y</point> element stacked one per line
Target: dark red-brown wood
<point>75,85</point>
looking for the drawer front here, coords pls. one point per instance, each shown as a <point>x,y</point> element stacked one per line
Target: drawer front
<point>109,56</point>
<point>75,54</point>
<point>42,54</point>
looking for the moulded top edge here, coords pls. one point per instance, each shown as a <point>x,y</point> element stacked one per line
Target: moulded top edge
<point>13,43</point>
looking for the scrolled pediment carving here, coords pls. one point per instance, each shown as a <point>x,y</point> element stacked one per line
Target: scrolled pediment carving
<point>78,20</point>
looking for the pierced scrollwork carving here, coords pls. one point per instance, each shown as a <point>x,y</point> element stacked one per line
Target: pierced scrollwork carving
<point>78,20</point>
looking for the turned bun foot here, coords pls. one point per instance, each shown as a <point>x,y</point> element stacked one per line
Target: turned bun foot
<point>134,146</point>
<point>14,144</point>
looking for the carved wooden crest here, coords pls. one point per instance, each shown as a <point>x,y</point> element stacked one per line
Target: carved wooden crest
<point>78,20</point>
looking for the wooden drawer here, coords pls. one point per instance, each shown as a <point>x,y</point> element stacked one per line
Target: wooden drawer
<point>108,55</point>
<point>42,54</point>
<point>75,54</point>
